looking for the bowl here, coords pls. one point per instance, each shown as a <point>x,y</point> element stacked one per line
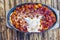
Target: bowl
<point>12,9</point>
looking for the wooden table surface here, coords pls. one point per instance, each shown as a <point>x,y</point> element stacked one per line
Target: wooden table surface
<point>10,34</point>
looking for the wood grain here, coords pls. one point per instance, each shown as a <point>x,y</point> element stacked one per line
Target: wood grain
<point>11,34</point>
<point>11,3</point>
<point>38,1</point>
<point>48,2</point>
<point>55,4</point>
<point>43,1</point>
<point>15,35</point>
<point>0,36</point>
<point>33,1</point>
<point>59,35</point>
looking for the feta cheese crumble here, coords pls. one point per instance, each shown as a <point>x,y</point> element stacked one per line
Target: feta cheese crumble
<point>33,24</point>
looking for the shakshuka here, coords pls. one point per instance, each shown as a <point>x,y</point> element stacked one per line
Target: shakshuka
<point>32,18</point>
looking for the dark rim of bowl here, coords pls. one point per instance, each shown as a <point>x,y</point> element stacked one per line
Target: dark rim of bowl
<point>8,17</point>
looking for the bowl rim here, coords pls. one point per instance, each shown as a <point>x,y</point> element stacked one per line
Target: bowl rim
<point>12,9</point>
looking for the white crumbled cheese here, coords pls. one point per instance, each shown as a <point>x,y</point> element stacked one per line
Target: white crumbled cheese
<point>18,17</point>
<point>33,24</point>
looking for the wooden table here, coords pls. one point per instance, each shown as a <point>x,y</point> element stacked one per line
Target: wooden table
<point>10,34</point>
